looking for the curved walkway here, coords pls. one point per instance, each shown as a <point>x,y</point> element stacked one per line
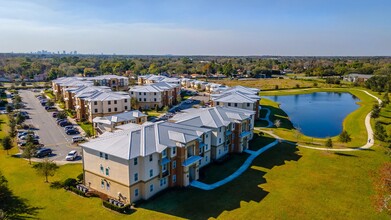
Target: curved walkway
<point>267,118</point>
<point>238,172</point>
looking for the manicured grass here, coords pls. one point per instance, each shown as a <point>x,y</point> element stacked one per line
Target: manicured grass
<point>353,123</point>
<point>49,94</point>
<point>87,127</point>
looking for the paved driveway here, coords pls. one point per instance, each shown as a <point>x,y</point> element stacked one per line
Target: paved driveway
<point>51,135</point>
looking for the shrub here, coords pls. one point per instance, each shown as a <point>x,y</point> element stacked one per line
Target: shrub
<point>80,177</point>
<point>344,137</point>
<point>70,182</point>
<point>78,192</point>
<point>56,185</point>
<point>315,84</point>
<point>125,210</point>
<point>297,86</point>
<point>276,87</point>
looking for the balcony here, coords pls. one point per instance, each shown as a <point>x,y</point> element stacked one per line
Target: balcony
<point>244,134</point>
<point>165,173</point>
<point>191,160</point>
<point>228,133</point>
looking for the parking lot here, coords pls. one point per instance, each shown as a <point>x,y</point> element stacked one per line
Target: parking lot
<point>51,135</point>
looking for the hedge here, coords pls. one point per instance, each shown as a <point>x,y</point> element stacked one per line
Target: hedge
<point>78,192</point>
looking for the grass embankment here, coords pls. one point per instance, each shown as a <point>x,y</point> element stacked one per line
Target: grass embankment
<point>49,94</point>
<point>272,83</point>
<point>353,123</point>
<point>283,183</point>
<point>87,127</point>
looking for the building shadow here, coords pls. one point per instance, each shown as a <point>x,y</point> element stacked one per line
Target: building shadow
<point>279,114</point>
<point>14,207</point>
<point>193,203</point>
<point>344,154</point>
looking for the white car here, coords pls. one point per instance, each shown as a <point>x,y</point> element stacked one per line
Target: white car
<point>71,155</point>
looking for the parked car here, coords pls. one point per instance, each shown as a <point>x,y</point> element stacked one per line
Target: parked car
<point>58,121</point>
<point>54,114</point>
<point>24,137</point>
<point>43,152</point>
<point>76,139</point>
<point>64,123</point>
<point>23,143</point>
<point>43,103</point>
<point>24,133</point>
<point>72,155</point>
<point>72,132</point>
<point>68,127</point>
<point>50,108</point>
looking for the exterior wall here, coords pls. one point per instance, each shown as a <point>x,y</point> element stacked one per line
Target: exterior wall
<point>101,108</point>
<point>248,106</point>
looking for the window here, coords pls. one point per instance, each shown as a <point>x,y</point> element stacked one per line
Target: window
<point>145,93</point>
<point>219,140</point>
<point>217,103</point>
<point>135,161</point>
<point>219,129</point>
<point>115,109</point>
<point>145,99</point>
<point>206,136</point>
<point>154,99</point>
<point>96,110</point>
<point>101,154</point>
<point>115,101</point>
<point>106,156</point>
<point>174,150</point>
<point>102,184</point>
<point>109,102</point>
<point>126,99</point>
<point>150,172</point>
<point>101,168</point>
<point>108,171</point>
<point>206,158</point>
<point>174,178</point>
<point>154,93</point>
<point>164,168</point>
<point>150,157</point>
<point>225,148</point>
<point>164,153</point>
<point>136,192</point>
<point>139,99</point>
<point>206,147</point>
<point>248,104</point>
<point>236,104</point>
<point>107,185</point>
<point>139,93</point>
<point>229,104</point>
<point>131,93</point>
<point>151,188</point>
<point>174,164</point>
<point>161,182</point>
<point>95,102</point>
<point>219,151</point>
<point>126,107</point>
<point>109,109</point>
<point>165,181</point>
<point>136,177</point>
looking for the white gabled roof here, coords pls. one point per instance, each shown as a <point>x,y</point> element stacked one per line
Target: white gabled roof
<point>244,90</point>
<point>121,117</point>
<point>144,140</point>
<point>235,97</point>
<point>155,87</point>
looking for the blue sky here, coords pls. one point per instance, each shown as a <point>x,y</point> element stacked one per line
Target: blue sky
<point>214,27</point>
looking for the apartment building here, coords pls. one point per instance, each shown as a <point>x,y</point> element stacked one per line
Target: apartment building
<point>142,160</point>
<point>238,97</point>
<point>158,94</point>
<point>137,161</point>
<point>151,79</point>
<point>109,123</point>
<point>116,83</point>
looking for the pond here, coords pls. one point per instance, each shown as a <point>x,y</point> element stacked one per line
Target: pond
<point>318,114</point>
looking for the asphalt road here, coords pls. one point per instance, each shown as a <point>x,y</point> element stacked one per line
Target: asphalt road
<point>51,135</point>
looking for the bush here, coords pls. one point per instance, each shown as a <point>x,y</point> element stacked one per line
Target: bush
<point>125,210</point>
<point>56,185</point>
<point>344,137</point>
<point>315,84</point>
<point>276,87</point>
<point>297,86</point>
<point>78,192</point>
<point>80,177</point>
<point>70,182</point>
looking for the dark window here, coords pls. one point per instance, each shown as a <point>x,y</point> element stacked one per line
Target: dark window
<point>126,107</point>
<point>115,101</point>
<point>154,93</point>
<point>109,102</point>
<point>145,93</point>
<point>126,100</point>
<point>145,99</point>
<point>115,109</point>
<point>150,157</point>
<point>217,103</point>
<point>139,93</point>
<point>236,104</point>
<point>139,99</point>
<point>131,93</point>
<point>155,99</point>
<point>106,156</point>
<point>229,104</point>
<point>101,154</point>
<point>95,103</point>
<point>135,161</point>
<point>248,104</point>
<point>96,110</point>
<point>109,109</point>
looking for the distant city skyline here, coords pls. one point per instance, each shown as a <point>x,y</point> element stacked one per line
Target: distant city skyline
<point>235,28</point>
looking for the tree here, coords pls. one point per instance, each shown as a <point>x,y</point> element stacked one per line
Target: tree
<point>344,137</point>
<point>19,119</point>
<point>7,143</point>
<point>50,103</point>
<point>375,111</point>
<point>29,151</point>
<point>46,168</point>
<point>386,99</point>
<point>165,109</point>
<point>62,115</point>
<point>133,103</point>
<point>329,143</point>
<point>380,132</point>
<point>8,108</point>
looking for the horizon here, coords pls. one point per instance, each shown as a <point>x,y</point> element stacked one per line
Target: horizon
<point>222,28</point>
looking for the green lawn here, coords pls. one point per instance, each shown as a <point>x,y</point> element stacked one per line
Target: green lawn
<point>87,127</point>
<point>49,94</point>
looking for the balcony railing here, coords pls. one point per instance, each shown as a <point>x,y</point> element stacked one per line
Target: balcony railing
<point>165,173</point>
<point>245,133</point>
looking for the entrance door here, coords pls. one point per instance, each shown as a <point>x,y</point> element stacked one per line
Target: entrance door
<point>192,172</point>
